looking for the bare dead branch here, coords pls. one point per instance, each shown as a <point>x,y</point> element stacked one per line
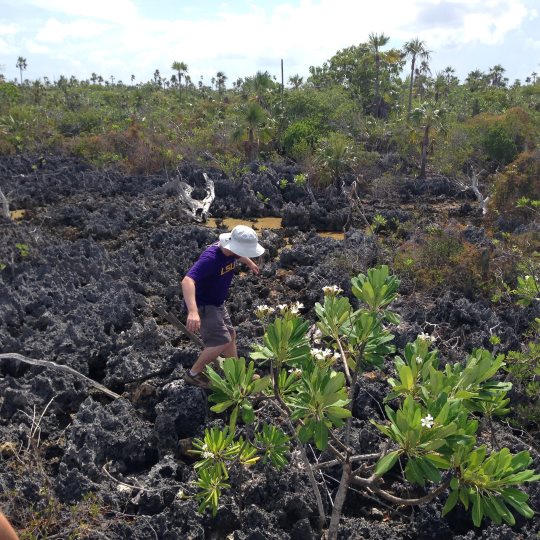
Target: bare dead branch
<point>5,206</point>
<point>371,484</point>
<point>197,210</point>
<point>59,367</point>
<point>353,459</point>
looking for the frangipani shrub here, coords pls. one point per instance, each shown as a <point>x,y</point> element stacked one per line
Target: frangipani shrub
<point>431,428</point>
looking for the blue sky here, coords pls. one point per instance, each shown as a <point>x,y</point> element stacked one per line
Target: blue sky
<point>240,37</point>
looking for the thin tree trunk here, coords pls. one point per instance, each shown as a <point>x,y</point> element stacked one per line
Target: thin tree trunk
<point>411,87</point>
<point>340,500</point>
<point>425,144</point>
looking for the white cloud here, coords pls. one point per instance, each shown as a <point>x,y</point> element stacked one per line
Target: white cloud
<point>8,29</point>
<point>36,48</point>
<point>114,38</point>
<point>57,32</point>
<point>116,10</point>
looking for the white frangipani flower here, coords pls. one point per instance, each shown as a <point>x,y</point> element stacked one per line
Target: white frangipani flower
<point>427,422</point>
<point>332,290</point>
<point>426,337</point>
<point>317,336</point>
<point>296,307</point>
<point>324,354</point>
<point>419,360</point>
<point>263,311</point>
<point>282,307</point>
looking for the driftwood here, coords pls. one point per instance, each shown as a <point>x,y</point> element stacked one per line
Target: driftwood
<point>59,367</point>
<point>4,211</point>
<point>197,210</point>
<point>483,201</point>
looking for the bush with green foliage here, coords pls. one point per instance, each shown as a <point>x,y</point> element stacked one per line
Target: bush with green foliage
<point>432,428</point>
<point>512,184</point>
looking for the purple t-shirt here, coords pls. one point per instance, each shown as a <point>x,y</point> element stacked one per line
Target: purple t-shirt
<point>212,274</point>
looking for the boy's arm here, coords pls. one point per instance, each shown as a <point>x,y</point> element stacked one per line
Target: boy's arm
<point>193,322</point>
<point>250,264</point>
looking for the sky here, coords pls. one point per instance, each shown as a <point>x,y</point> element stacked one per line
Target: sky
<point>121,38</point>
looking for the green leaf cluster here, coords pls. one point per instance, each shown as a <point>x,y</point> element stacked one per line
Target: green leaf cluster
<point>320,404</point>
<point>235,388</point>
<point>486,483</point>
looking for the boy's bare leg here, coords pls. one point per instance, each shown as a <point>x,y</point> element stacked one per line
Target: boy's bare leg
<point>208,355</point>
<point>230,350</point>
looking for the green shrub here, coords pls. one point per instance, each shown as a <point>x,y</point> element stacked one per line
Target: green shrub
<point>499,145</point>
<point>300,137</point>
<point>517,180</point>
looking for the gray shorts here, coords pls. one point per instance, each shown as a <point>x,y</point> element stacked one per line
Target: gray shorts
<point>216,325</point>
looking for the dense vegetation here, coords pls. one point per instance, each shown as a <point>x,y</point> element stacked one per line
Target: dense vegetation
<point>363,108</point>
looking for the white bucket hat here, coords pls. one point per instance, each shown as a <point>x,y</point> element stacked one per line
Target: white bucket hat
<point>242,241</point>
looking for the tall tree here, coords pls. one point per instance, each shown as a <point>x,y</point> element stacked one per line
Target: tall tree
<point>254,118</point>
<point>422,74</point>
<point>496,76</point>
<point>259,86</point>
<point>181,69</point>
<point>220,81</point>
<point>428,116</point>
<point>296,81</point>
<point>376,41</point>
<point>21,65</point>
<point>475,80</point>
<point>414,49</point>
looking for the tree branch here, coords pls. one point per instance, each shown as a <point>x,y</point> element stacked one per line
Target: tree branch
<point>59,367</point>
<point>5,206</point>
<point>353,459</point>
<point>371,484</point>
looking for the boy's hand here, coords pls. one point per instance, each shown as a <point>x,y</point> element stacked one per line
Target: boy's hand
<point>193,323</point>
<point>253,267</point>
<point>250,264</point>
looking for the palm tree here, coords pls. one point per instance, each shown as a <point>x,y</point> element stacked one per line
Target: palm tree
<point>375,42</point>
<point>427,116</point>
<point>449,76</point>
<point>296,81</point>
<point>475,79</point>
<point>259,85</point>
<point>93,78</point>
<point>21,65</point>
<point>132,78</point>
<point>439,86</point>
<point>421,77</point>
<point>415,49</point>
<point>496,76</point>
<point>220,81</point>
<point>255,117</point>
<point>181,69</point>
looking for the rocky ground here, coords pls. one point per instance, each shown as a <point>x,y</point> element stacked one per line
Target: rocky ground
<point>94,253</point>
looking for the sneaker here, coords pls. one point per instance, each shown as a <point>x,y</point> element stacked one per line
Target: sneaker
<point>200,380</point>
